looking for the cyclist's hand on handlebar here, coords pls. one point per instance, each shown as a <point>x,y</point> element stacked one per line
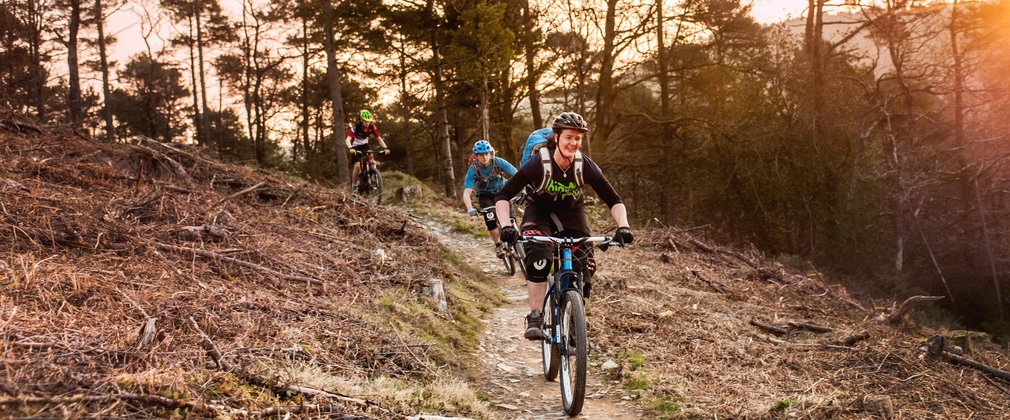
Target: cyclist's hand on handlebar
<point>352,152</point>
<point>472,211</point>
<point>510,235</point>
<point>385,152</point>
<point>624,236</point>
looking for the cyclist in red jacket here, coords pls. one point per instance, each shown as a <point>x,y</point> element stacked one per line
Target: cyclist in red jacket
<point>357,140</point>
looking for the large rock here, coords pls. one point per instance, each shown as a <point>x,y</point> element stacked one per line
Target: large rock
<point>409,193</point>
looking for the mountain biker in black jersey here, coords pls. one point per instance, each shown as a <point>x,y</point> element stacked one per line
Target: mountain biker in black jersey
<point>357,140</point>
<point>554,181</point>
<point>485,176</point>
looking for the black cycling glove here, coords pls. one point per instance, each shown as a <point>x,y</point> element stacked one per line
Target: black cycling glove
<point>624,236</point>
<point>510,235</point>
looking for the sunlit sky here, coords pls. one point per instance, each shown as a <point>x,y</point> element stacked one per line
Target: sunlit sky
<point>770,11</point>
<point>124,23</point>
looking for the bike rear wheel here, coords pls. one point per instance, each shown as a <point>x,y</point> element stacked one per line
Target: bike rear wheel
<point>574,352</point>
<point>548,350</point>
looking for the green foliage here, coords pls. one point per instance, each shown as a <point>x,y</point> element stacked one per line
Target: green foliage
<point>148,104</point>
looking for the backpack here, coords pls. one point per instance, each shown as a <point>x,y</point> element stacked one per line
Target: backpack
<point>534,142</point>
<point>545,160</point>
<point>495,170</point>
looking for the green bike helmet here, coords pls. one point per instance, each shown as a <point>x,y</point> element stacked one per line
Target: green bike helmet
<point>365,115</point>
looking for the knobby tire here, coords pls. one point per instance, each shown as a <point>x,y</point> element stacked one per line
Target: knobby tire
<point>573,365</point>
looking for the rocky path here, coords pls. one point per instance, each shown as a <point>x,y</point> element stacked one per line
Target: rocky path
<point>513,376</point>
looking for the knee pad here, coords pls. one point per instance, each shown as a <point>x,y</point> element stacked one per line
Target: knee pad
<point>538,259</point>
<point>490,220</point>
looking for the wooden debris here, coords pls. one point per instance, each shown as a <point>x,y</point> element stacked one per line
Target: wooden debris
<point>855,338</point>
<point>768,327</point>
<point>907,305</point>
<point>141,398</point>
<point>715,285</point>
<point>238,194</point>
<point>810,327</point>
<point>935,346</point>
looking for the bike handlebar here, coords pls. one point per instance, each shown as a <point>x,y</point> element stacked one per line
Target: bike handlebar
<point>593,240</point>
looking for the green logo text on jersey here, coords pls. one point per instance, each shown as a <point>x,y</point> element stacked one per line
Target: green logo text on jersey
<point>570,190</point>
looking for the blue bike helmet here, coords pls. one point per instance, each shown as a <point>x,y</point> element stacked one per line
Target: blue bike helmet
<point>482,146</point>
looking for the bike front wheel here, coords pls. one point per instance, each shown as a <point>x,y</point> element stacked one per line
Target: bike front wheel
<point>548,350</point>
<point>574,350</point>
<point>510,263</point>
<point>375,179</point>
<point>520,257</point>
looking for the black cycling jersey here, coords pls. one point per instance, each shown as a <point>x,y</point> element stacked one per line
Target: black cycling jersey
<point>562,192</point>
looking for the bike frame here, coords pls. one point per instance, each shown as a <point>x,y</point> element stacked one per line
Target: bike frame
<point>565,278</point>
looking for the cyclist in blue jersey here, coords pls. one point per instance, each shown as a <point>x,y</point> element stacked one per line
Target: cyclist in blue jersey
<point>485,177</point>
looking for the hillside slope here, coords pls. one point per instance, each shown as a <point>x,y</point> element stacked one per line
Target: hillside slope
<point>147,280</point>
<point>144,279</point>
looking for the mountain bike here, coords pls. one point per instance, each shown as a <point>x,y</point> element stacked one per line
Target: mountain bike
<point>513,255</point>
<point>565,345</point>
<point>369,180</point>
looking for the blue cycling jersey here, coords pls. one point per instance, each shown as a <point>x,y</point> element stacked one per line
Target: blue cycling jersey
<point>494,181</point>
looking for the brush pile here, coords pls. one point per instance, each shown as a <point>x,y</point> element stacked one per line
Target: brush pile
<point>145,279</point>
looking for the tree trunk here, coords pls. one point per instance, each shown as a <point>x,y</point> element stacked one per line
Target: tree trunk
<point>443,121</point>
<point>405,107</point>
<point>305,88</point>
<point>196,93</point>
<point>333,77</point>
<point>485,118</point>
<point>74,99</point>
<point>531,69</point>
<point>110,129</point>
<point>36,29</point>
<point>203,85</point>
<point>605,93</point>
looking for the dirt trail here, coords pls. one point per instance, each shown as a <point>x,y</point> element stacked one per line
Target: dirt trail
<point>512,369</point>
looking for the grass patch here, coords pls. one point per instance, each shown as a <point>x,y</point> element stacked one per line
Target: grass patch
<point>665,408</point>
<point>469,227</point>
<point>783,404</point>
<point>635,360</point>
<point>637,383</point>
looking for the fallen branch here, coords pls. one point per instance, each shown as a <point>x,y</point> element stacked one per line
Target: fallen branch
<point>935,347</point>
<point>810,327</point>
<point>216,256</point>
<point>906,306</point>
<point>20,126</point>
<point>718,287</point>
<point>811,345</point>
<point>144,398</point>
<point>161,157</point>
<point>273,385</point>
<point>768,327</point>
<point>245,191</point>
<point>734,254</point>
